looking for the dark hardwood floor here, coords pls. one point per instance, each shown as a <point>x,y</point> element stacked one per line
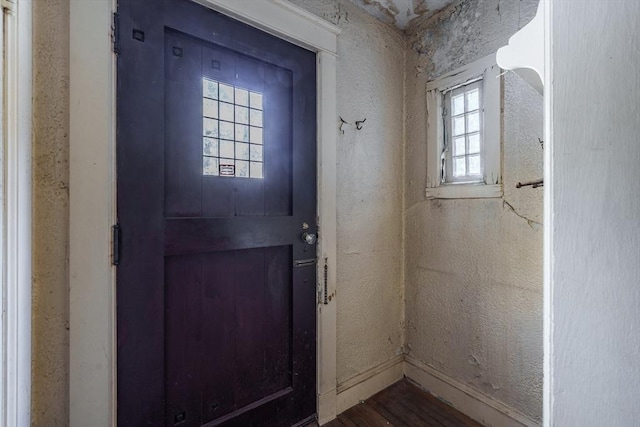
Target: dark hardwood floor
<point>403,405</point>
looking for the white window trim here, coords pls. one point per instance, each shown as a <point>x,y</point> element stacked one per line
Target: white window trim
<point>92,375</point>
<point>15,214</point>
<point>492,94</point>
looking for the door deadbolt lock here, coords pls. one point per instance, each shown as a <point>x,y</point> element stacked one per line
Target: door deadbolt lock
<point>309,238</point>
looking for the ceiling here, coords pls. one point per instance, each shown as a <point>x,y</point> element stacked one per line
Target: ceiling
<point>400,13</point>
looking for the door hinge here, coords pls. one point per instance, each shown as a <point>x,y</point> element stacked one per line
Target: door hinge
<point>115,244</point>
<point>115,33</point>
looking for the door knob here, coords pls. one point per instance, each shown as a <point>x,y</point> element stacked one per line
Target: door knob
<point>309,238</point>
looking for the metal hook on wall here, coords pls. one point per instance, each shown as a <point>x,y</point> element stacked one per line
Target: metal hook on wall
<point>343,122</point>
<point>358,124</point>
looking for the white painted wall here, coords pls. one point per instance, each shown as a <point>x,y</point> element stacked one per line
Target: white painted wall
<point>369,195</point>
<point>595,272</point>
<point>473,268</point>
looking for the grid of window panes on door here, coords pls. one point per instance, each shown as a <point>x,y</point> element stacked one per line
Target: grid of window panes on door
<point>232,131</point>
<point>466,132</point>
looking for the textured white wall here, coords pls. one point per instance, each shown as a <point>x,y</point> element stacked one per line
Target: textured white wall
<point>50,318</point>
<point>473,268</point>
<point>595,294</point>
<point>369,283</point>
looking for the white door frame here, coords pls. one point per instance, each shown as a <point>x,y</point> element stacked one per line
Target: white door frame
<point>92,378</point>
<point>15,214</point>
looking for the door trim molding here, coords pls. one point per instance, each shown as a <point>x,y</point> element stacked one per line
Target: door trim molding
<point>92,365</point>
<point>15,214</point>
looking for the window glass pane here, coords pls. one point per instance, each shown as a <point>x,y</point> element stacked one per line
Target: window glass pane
<point>242,151</point>
<point>210,147</point>
<point>226,117</point>
<point>458,146</point>
<point>458,125</point>
<point>256,135</point>
<point>474,143</point>
<point>226,130</point>
<point>210,108</point>
<point>210,128</point>
<point>256,118</point>
<point>459,167</point>
<point>256,170</point>
<point>457,103</point>
<point>242,168</point>
<point>226,149</point>
<point>210,166</point>
<point>209,89</point>
<point>256,152</point>
<point>473,100</point>
<point>242,97</point>
<point>242,115</point>
<point>473,122</point>
<point>226,111</point>
<point>256,100</point>
<point>242,133</point>
<point>474,165</point>
<point>226,93</point>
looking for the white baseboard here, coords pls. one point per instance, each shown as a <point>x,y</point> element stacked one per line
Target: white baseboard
<point>487,411</point>
<point>327,404</point>
<point>368,383</point>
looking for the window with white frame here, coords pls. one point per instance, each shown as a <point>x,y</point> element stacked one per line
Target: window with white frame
<point>463,132</point>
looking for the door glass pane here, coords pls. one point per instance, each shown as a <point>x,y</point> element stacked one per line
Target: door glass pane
<point>210,147</point>
<point>210,127</point>
<point>226,111</point>
<point>210,89</point>
<point>242,168</point>
<point>256,135</point>
<point>210,108</point>
<point>242,151</point>
<point>210,166</point>
<point>256,118</point>
<point>242,97</point>
<point>226,93</point>
<point>256,170</point>
<point>242,115</point>
<point>226,119</point>
<point>256,100</point>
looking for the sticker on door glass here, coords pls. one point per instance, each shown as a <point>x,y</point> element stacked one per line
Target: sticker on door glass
<point>227,170</point>
<point>232,129</point>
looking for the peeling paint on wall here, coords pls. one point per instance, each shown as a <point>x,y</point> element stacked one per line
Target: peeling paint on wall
<point>401,13</point>
<point>474,299</point>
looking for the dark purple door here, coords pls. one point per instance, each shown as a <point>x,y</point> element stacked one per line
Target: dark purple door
<point>216,169</point>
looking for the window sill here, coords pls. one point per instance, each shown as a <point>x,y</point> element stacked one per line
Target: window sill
<point>464,191</point>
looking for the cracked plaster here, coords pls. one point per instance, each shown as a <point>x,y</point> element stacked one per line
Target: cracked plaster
<point>473,268</point>
<point>401,13</point>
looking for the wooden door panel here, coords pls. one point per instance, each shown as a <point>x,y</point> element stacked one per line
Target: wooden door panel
<point>227,323</point>
<point>182,141</point>
<point>215,326</point>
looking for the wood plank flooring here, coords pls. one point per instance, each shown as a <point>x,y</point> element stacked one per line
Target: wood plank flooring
<point>403,405</point>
